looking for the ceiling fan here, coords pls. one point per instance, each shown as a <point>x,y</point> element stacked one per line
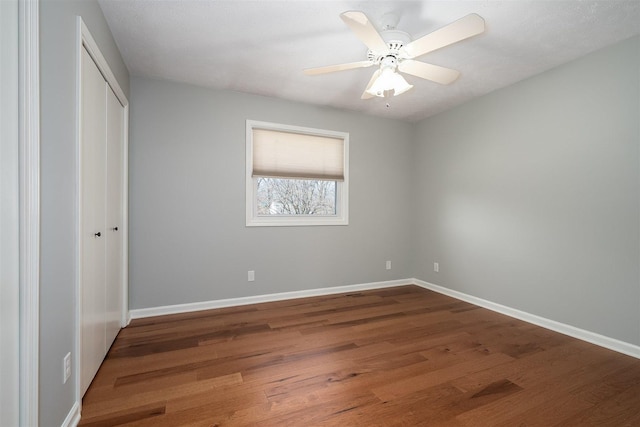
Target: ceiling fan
<point>392,50</point>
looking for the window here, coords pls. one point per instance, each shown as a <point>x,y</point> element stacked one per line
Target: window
<point>296,175</point>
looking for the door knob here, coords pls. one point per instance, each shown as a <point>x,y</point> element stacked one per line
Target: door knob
<point>98,234</point>
<point>115,229</point>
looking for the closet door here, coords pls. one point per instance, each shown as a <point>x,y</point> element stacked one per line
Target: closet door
<point>93,173</point>
<point>114,216</point>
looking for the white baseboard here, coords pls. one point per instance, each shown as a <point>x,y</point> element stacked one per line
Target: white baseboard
<point>592,337</point>
<point>232,302</point>
<point>581,334</point>
<point>73,417</point>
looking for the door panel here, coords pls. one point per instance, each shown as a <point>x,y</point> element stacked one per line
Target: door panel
<point>114,216</point>
<point>92,187</point>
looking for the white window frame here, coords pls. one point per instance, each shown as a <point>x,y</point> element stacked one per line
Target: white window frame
<point>342,187</point>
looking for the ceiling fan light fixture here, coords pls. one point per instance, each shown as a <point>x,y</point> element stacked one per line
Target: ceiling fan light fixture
<point>389,80</point>
<point>395,52</point>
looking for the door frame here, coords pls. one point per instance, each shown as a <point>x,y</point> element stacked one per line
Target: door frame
<point>84,40</point>
<point>29,208</point>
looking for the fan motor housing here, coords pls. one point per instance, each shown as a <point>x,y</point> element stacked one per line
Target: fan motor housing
<point>395,40</point>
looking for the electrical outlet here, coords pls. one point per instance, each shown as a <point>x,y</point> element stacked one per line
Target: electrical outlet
<point>388,265</point>
<point>66,368</point>
<point>436,267</point>
<point>251,275</point>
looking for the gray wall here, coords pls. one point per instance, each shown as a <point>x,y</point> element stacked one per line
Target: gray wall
<point>9,215</point>
<point>188,240</point>
<point>58,208</point>
<point>529,196</point>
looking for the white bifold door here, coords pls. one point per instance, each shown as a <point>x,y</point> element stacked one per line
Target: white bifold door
<point>101,218</point>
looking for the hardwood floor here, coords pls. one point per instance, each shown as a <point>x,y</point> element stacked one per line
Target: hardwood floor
<point>402,356</point>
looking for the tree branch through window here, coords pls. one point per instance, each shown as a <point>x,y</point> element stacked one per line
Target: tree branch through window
<point>278,196</point>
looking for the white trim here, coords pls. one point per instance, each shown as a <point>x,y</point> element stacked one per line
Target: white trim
<point>233,302</point>
<point>125,221</point>
<point>342,187</point>
<point>93,49</point>
<point>29,110</point>
<point>78,226</point>
<point>86,41</point>
<point>73,417</point>
<point>581,334</point>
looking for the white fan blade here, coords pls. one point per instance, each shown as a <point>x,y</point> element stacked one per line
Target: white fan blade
<point>364,30</point>
<point>468,26</point>
<point>435,73</point>
<point>339,67</point>
<point>365,94</point>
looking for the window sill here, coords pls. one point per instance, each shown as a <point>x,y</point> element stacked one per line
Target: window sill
<point>295,222</point>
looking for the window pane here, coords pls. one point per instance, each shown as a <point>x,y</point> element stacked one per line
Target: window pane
<point>295,197</point>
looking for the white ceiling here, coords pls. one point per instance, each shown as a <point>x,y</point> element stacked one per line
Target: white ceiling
<point>261,47</point>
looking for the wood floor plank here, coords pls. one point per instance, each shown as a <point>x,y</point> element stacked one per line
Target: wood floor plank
<point>100,407</point>
<point>400,356</point>
<point>138,414</point>
<point>534,402</point>
<point>398,389</point>
<point>621,409</point>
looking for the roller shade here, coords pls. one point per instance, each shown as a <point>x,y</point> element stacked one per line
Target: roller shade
<point>280,154</point>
